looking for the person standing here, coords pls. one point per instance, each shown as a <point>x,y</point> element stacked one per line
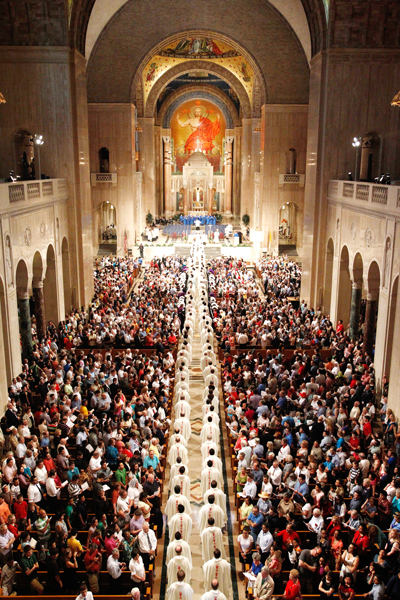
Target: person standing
<point>263,585</point>
<point>180,590</point>
<point>115,568</point>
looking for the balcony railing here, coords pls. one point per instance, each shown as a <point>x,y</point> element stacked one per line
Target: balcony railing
<point>378,196</point>
<point>32,191</point>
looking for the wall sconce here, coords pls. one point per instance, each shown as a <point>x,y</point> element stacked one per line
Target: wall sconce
<point>396,100</point>
<point>2,99</point>
<point>39,141</point>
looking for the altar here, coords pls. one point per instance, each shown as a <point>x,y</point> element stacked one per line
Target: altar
<point>197,213</point>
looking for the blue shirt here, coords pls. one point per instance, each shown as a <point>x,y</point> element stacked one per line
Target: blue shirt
<point>71,473</point>
<point>151,462</point>
<point>257,521</point>
<point>302,488</point>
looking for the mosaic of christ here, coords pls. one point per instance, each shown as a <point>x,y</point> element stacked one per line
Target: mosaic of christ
<point>198,125</point>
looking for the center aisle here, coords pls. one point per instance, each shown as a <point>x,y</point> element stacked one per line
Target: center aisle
<point>195,464</point>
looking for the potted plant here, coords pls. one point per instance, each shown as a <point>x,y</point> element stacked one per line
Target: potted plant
<point>218,217</point>
<point>149,218</point>
<point>246,220</point>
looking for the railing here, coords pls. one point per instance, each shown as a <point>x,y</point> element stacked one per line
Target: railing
<point>31,191</point>
<point>380,197</point>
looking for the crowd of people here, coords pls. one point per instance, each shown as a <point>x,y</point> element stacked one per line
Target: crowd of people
<point>83,438</point>
<point>317,481</point>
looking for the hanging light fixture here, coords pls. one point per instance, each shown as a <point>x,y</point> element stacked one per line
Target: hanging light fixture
<point>2,99</point>
<point>396,100</point>
<point>138,128</point>
<point>257,129</point>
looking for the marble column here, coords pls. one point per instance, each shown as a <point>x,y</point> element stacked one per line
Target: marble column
<point>167,175</point>
<point>25,323</point>
<point>228,177</point>
<point>356,292</point>
<point>40,312</point>
<point>185,200</point>
<point>370,323</point>
<point>210,199</point>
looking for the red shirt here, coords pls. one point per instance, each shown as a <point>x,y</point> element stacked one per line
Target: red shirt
<point>292,589</point>
<point>21,510</point>
<point>289,538</point>
<point>361,541</point>
<point>367,429</point>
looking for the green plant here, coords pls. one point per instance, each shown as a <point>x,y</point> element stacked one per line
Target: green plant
<point>246,219</point>
<point>177,216</point>
<point>149,218</point>
<point>218,217</point>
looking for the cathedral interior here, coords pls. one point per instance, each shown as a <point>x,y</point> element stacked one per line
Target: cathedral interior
<point>131,130</point>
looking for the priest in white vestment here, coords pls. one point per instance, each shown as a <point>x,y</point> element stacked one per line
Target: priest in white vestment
<point>210,428</point>
<point>182,523</point>
<point>186,551</point>
<point>220,497</point>
<point>217,568</point>
<point>214,390</point>
<point>216,461</point>
<point>174,501</point>
<point>182,409</point>
<point>211,539</point>
<point>181,385</point>
<point>208,475</point>
<point>206,407</point>
<point>174,470</point>
<point>178,450</point>
<point>211,379</point>
<point>211,413</point>
<point>211,511</point>
<point>183,482</point>
<point>214,593</point>
<point>180,590</point>
<point>206,447</point>
<point>185,429</point>
<point>176,564</point>
<point>173,437</point>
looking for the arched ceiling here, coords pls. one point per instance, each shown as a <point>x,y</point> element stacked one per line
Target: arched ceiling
<point>255,25</point>
<point>104,10</point>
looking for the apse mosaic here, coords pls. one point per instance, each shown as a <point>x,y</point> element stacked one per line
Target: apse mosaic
<point>198,125</point>
<point>190,48</point>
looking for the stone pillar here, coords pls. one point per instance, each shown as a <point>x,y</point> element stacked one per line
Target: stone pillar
<point>247,186</point>
<point>356,292</point>
<point>167,175</point>
<point>25,323</point>
<point>40,312</point>
<point>370,323</point>
<point>228,176</point>
<point>210,199</point>
<point>185,200</point>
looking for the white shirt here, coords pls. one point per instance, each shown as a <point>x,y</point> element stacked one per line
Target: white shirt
<point>113,567</point>
<point>137,569</point>
<point>89,596</point>
<point>51,487</point>
<point>144,541</point>
<point>34,494</point>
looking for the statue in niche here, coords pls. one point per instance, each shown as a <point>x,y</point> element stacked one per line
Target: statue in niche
<point>9,261</point>
<point>387,262</point>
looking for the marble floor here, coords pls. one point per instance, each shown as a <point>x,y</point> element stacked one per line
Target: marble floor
<point>195,463</point>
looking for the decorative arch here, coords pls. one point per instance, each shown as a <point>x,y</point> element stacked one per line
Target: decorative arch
<point>192,92</point>
<point>189,67</point>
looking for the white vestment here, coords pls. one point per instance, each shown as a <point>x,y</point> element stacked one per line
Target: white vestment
<point>182,408</point>
<point>211,539</point>
<point>216,461</point>
<point>173,438</point>
<point>181,523</point>
<point>214,595</point>
<point>211,378</point>
<point>206,447</point>
<point>181,385</point>
<point>184,483</point>
<point>215,392</point>
<point>207,476</point>
<point>174,500</point>
<point>211,510</point>
<point>220,498</point>
<point>180,591</point>
<point>182,395</point>
<point>213,415</point>
<point>174,470</point>
<point>178,563</point>
<point>206,407</point>
<point>185,550</point>
<point>220,569</point>
<point>178,450</point>
<point>183,424</point>
<point>210,429</point>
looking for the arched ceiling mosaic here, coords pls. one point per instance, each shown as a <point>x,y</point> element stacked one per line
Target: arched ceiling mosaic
<point>196,47</point>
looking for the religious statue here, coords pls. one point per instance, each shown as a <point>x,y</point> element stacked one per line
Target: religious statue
<point>203,129</point>
<point>8,257</point>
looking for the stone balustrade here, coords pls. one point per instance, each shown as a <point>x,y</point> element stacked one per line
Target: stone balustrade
<point>33,191</point>
<point>360,193</point>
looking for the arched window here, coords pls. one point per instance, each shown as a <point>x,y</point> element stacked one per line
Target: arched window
<point>104,157</point>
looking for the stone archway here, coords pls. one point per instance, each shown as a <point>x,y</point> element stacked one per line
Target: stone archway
<point>330,254</point>
<point>391,327</point>
<point>37,288</point>
<point>22,281</point>
<point>66,275</point>
<point>50,288</point>
<point>344,295</point>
